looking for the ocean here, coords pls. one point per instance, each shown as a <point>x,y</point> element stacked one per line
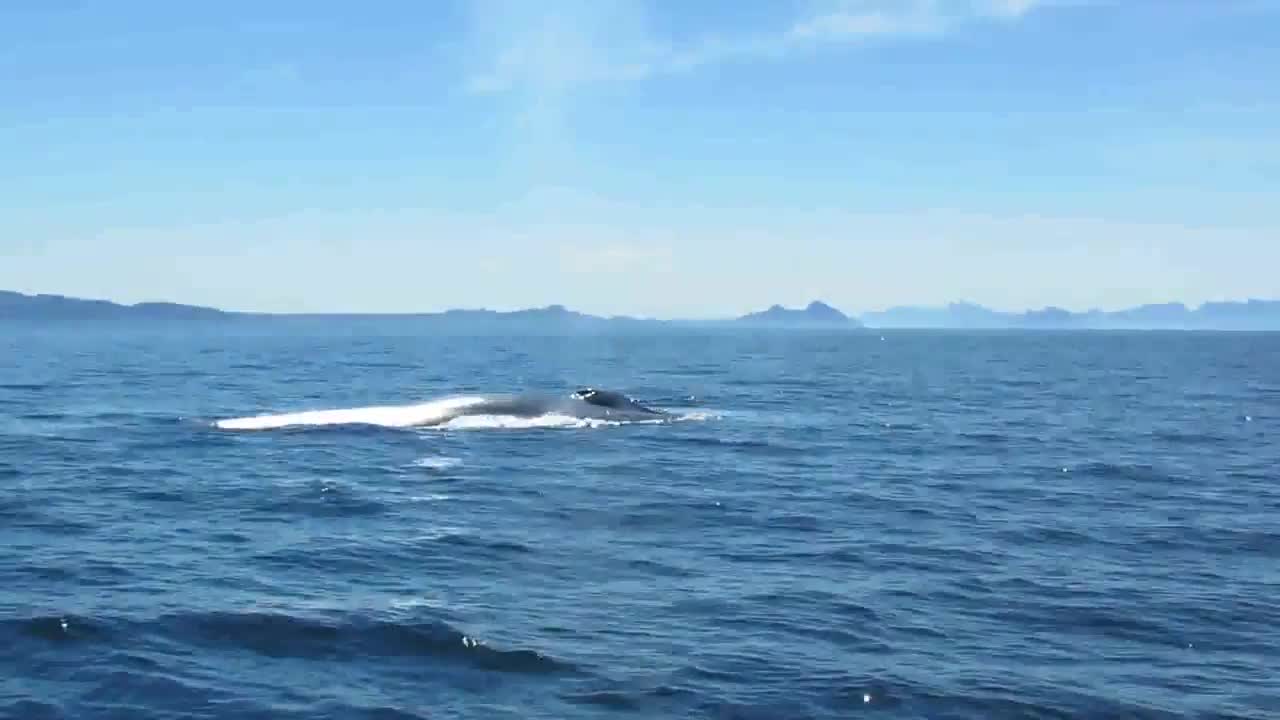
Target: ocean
<point>890,524</point>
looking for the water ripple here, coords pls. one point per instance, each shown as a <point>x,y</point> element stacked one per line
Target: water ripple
<point>930,526</point>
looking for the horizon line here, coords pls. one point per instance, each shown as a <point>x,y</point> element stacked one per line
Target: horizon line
<point>625,316</point>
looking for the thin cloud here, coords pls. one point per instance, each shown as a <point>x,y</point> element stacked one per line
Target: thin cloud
<point>1011,8</point>
<point>847,25</point>
<point>854,19</point>
<point>550,49</point>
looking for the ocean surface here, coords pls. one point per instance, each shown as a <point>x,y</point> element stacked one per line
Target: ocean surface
<point>835,525</point>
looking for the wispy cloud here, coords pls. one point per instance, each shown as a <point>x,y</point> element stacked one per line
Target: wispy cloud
<point>854,19</point>
<point>553,47</point>
<point>537,58</point>
<point>837,20</point>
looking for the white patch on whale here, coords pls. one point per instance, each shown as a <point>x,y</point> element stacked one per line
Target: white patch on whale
<point>392,416</point>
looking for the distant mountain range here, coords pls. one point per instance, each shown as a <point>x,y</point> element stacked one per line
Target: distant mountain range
<point>58,307</point>
<point>1249,315</point>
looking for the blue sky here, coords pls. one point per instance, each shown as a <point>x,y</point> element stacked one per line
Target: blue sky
<point>655,158</point>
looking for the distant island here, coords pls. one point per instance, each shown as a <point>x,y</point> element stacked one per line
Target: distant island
<point>1254,315</point>
<point>816,314</point>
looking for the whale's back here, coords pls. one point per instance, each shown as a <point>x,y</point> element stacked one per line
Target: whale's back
<point>612,400</point>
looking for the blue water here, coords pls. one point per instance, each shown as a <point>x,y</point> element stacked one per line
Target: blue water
<point>898,525</point>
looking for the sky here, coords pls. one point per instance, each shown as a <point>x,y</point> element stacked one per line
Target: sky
<point>643,157</point>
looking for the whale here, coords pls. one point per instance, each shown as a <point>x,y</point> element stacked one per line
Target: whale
<point>586,403</point>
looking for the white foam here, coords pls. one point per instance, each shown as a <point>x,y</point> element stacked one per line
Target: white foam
<point>551,420</point>
<point>437,463</point>
<point>434,497</point>
<point>515,422</point>
<point>396,416</point>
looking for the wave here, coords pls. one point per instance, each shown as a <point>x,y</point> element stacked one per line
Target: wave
<point>280,634</point>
